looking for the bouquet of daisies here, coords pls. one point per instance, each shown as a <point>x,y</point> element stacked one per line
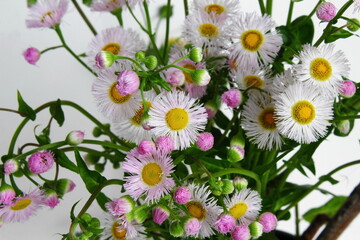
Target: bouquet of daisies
<point>206,128</point>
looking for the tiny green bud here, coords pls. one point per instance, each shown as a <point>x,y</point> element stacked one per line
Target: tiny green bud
<point>140,55</point>
<point>343,126</point>
<point>97,132</point>
<point>95,223</point>
<point>228,187</point>
<point>99,167</point>
<point>238,139</point>
<point>200,77</point>
<point>104,59</point>
<point>216,192</point>
<point>256,229</point>
<point>91,159</point>
<point>151,62</point>
<point>235,153</point>
<point>176,229</point>
<point>353,25</point>
<point>141,213</point>
<point>196,54</point>
<point>75,137</point>
<point>86,217</point>
<point>240,183</point>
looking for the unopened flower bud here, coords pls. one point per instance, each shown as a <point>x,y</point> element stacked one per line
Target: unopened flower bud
<point>228,186</point>
<point>104,59</point>
<point>160,214</point>
<point>176,229</point>
<point>343,126</point>
<point>236,153</point>
<point>232,98</point>
<point>51,198</point>
<point>205,141</point>
<point>165,144</point>
<point>326,11</point>
<point>225,223</point>
<point>200,77</point>
<point>196,54</point>
<point>175,77</point>
<point>268,220</point>
<point>140,55</point>
<point>353,24</point>
<point>41,162</point>
<point>75,137</point>
<point>238,139</point>
<point>128,82</point>
<point>31,55</point>
<point>11,166</point>
<point>240,183</point>
<point>146,147</point>
<point>120,206</point>
<point>240,232</point>
<point>141,213</point>
<point>151,62</point>
<point>64,185</point>
<point>256,229</point>
<point>347,89</point>
<point>7,194</point>
<point>182,195</point>
<point>192,226</point>
<point>212,107</point>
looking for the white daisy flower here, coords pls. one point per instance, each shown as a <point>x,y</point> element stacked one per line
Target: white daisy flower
<point>322,68</point>
<point>254,40</point>
<point>226,8</point>
<point>202,29</point>
<point>244,206</point>
<point>110,102</point>
<point>204,208</point>
<point>117,41</point>
<point>251,77</point>
<point>131,129</point>
<point>259,122</point>
<point>281,81</point>
<point>178,116</point>
<point>302,113</point>
<point>356,6</point>
<point>121,229</point>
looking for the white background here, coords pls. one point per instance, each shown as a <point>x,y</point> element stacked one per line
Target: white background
<point>58,75</point>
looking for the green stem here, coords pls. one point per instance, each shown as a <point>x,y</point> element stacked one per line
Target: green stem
<point>346,117</point>
<point>106,144</point>
<point>229,126</point>
<point>135,18</point>
<point>89,150</point>
<point>59,33</point>
<point>28,177</point>
<point>310,15</point>
<point>199,163</point>
<point>118,14</point>
<point>269,7</point>
<point>297,221</point>
<point>167,32</point>
<point>242,172</point>
<point>13,184</point>
<point>173,63</point>
<point>51,48</point>
<point>44,147</point>
<point>264,180</point>
<point>350,20</point>
<point>178,182</point>
<point>262,7</point>
<point>131,60</point>
<point>89,202</point>
<point>315,186</point>
<point>186,7</point>
<point>13,111</point>
<point>337,16</point>
<point>290,12</point>
<point>82,14</point>
<point>151,35</point>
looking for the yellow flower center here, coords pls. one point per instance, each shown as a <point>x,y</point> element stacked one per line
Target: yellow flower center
<point>320,69</point>
<point>238,210</point>
<point>252,40</point>
<point>47,14</point>
<point>196,210</point>
<point>218,9</point>
<point>187,75</point>
<point>266,118</point>
<point>208,30</point>
<point>253,81</point>
<point>116,97</point>
<point>114,48</point>
<point>21,204</point>
<point>303,112</point>
<point>118,232</point>
<point>136,119</point>
<point>152,174</point>
<point>177,119</point>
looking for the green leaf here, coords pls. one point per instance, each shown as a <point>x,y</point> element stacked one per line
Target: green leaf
<point>221,120</point>
<point>64,161</point>
<point>303,29</point>
<point>31,2</point>
<point>43,137</point>
<point>330,208</point>
<point>57,112</point>
<point>181,171</point>
<point>337,34</point>
<point>25,109</point>
<point>72,215</point>
<point>87,2</point>
<point>329,179</point>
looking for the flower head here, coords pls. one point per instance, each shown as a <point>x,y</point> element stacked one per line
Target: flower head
<point>192,226</point>
<point>7,194</point>
<point>31,55</point>
<point>127,82</point>
<point>220,8</point>
<point>11,166</point>
<point>160,214</point>
<point>149,175</point>
<point>104,59</point>
<point>41,162</point>
<point>120,206</point>
<point>347,89</point>
<point>46,13</point>
<point>326,11</point>
<point>225,223</point>
<point>182,195</point>
<point>232,98</point>
<point>268,220</point>
<point>146,147</point>
<point>122,228</point>
<point>205,141</point>
<point>51,198</point>
<point>241,232</point>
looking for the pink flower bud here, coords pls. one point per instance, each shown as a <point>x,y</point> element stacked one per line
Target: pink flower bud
<point>7,194</point>
<point>104,59</point>
<point>192,226</point>
<point>269,221</point>
<point>127,82</point>
<point>232,98</point>
<point>51,199</point>
<point>160,214</point>
<point>205,141</point>
<point>165,144</point>
<point>11,166</point>
<point>146,147</point>
<point>326,11</point>
<point>40,162</point>
<point>75,137</point>
<point>175,77</point>
<point>240,232</point>
<point>225,223</point>
<point>182,195</point>
<point>31,55</point>
<point>347,89</point>
<point>120,206</point>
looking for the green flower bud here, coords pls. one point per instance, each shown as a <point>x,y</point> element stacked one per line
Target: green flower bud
<point>236,153</point>
<point>352,26</point>
<point>200,77</point>
<point>91,159</point>
<point>240,183</point>
<point>256,229</point>
<point>343,126</point>
<point>176,229</point>
<point>151,62</point>
<point>97,132</point>
<point>196,54</point>
<point>238,139</point>
<point>228,186</point>
<point>140,56</point>
<point>75,137</point>
<point>86,217</point>
<point>104,59</point>
<point>141,213</point>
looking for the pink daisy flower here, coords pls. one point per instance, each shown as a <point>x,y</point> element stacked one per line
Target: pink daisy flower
<point>23,207</point>
<point>46,13</point>
<point>149,175</point>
